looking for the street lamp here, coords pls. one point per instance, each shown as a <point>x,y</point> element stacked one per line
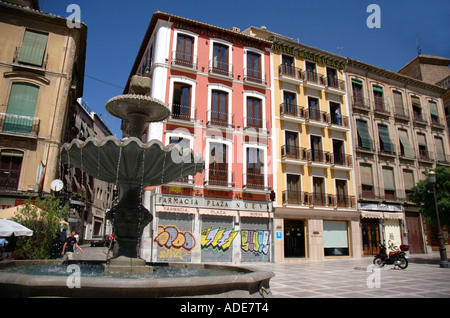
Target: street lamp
<point>442,250</point>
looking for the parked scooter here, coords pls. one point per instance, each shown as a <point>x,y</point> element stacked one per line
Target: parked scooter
<point>396,258</point>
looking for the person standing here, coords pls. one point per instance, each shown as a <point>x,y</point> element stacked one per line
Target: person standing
<point>70,244</point>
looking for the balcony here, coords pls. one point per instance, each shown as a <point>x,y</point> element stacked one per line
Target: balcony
<point>9,179</point>
<point>254,76</point>
<point>419,120</point>
<point>319,157</point>
<point>214,178</point>
<point>442,159</point>
<point>292,112</point>
<point>220,119</point>
<point>294,154</point>
<point>335,86</point>
<point>290,74</point>
<point>338,121</point>
<point>344,201</point>
<point>436,123</point>
<point>256,124</point>
<point>369,193</point>
<point>380,107</point>
<point>360,103</point>
<point>382,151</point>
<point>295,198</point>
<point>425,156</point>
<point>183,113</point>
<point>255,181</point>
<point>314,80</point>
<point>319,199</point>
<point>38,66</point>
<point>400,114</point>
<point>19,125</point>
<point>221,69</point>
<point>316,117</point>
<point>342,161</point>
<point>184,60</point>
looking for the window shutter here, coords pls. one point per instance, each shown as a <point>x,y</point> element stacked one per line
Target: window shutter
<point>408,178</point>
<point>388,178</point>
<point>407,148</point>
<point>33,48</point>
<point>363,133</point>
<point>384,136</point>
<point>433,109</point>
<point>366,174</point>
<point>439,149</point>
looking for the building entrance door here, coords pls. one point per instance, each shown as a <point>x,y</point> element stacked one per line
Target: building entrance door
<point>294,238</point>
<point>371,236</point>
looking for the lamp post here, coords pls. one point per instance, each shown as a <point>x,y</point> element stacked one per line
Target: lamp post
<point>442,250</point>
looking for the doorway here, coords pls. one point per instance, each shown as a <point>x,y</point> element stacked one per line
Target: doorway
<point>294,238</point>
<point>371,236</point>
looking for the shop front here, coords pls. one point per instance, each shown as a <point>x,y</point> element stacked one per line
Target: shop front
<point>315,234</point>
<point>381,224</point>
<point>204,230</point>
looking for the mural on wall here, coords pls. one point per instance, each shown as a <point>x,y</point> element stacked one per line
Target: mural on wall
<point>218,239</point>
<point>170,237</point>
<point>255,241</point>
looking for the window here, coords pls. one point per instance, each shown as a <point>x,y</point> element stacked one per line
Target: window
<point>408,180</point>
<point>406,150</point>
<point>184,143</point>
<point>185,51</point>
<point>218,165</point>
<point>21,108</point>
<point>313,109</point>
<point>358,96</point>
<point>335,238</point>
<point>386,145</point>
<point>33,48</point>
<point>365,171</point>
<point>318,195</point>
<point>398,103</point>
<point>364,139</point>
<point>378,98</point>
<point>254,67</point>
<point>220,59</point>
<point>440,149</point>
<point>291,144</point>
<point>254,115</point>
<point>332,78</point>
<point>219,108</point>
<point>316,149</point>
<point>417,108</point>
<point>287,65</point>
<point>293,195</point>
<point>10,166</point>
<point>289,106</point>
<point>339,152</point>
<point>336,114</point>
<point>255,176</point>
<point>434,112</point>
<point>389,185</point>
<point>181,101</point>
<point>341,193</point>
<point>310,73</point>
<point>423,151</point>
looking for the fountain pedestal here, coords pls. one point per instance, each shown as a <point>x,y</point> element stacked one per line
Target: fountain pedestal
<point>127,265</point>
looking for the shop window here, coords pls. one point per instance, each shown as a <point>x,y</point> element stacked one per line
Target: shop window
<point>335,238</point>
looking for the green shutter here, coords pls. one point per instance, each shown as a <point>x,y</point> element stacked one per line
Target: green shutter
<point>388,178</point>
<point>21,108</point>
<point>363,134</point>
<point>378,89</point>
<point>385,140</point>
<point>433,109</point>
<point>404,140</point>
<point>33,48</point>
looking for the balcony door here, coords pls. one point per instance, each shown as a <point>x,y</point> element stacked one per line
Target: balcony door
<point>341,193</point>
<point>255,176</point>
<point>21,108</point>
<point>218,165</point>
<point>220,59</point>
<point>185,50</point>
<point>219,111</point>
<point>254,66</point>
<point>338,152</point>
<point>316,149</point>
<point>319,191</point>
<point>10,167</point>
<point>292,145</point>
<point>293,189</point>
<point>254,112</point>
<point>181,101</point>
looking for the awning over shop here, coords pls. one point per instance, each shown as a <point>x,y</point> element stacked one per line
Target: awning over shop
<point>382,215</point>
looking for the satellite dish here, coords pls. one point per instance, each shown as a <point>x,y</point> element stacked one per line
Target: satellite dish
<point>56,185</point>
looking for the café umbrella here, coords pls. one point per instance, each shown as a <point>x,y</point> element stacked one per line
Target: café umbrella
<point>8,228</point>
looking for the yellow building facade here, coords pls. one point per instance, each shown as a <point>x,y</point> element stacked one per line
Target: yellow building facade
<point>315,212</point>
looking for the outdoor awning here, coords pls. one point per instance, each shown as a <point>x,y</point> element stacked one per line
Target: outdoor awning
<point>382,215</point>
<point>8,228</point>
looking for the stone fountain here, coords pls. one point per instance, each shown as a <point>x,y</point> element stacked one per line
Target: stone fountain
<point>133,166</point>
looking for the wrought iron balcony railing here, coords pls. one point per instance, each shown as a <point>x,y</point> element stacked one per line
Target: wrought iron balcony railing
<point>19,125</point>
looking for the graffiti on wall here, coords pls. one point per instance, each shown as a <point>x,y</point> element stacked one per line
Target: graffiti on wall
<point>255,241</point>
<point>218,239</point>
<point>171,237</point>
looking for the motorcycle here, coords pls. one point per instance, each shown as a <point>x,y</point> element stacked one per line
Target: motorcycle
<point>396,258</point>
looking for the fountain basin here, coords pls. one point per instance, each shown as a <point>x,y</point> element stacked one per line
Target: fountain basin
<point>167,280</point>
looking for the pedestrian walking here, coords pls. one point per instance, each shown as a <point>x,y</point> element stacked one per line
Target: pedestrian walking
<point>70,245</point>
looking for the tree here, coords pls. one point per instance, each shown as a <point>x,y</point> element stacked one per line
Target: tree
<point>44,219</point>
<point>422,196</point>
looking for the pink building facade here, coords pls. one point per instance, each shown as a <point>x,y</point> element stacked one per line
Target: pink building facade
<point>217,84</point>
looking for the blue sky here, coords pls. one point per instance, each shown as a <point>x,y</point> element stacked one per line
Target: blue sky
<point>116,29</point>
